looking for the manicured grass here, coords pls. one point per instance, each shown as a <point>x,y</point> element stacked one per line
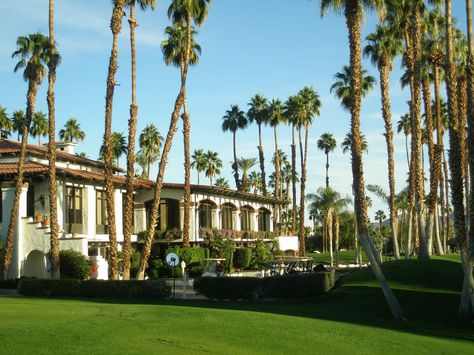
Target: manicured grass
<point>352,319</point>
<point>345,257</point>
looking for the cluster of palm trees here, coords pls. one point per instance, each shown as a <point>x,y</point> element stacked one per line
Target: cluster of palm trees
<point>298,111</point>
<point>209,163</point>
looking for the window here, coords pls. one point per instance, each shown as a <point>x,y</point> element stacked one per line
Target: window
<point>226,217</point>
<point>168,214</point>
<point>263,220</point>
<point>245,224</point>
<point>101,213</point>
<point>74,209</point>
<point>205,215</point>
<point>30,201</point>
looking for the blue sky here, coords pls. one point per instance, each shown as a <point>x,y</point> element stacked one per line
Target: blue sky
<point>271,47</point>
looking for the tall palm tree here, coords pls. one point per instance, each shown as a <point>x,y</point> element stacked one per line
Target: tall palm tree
<point>255,182</point>
<point>380,217</point>
<point>199,162</point>
<point>213,165</point>
<point>258,113</point>
<point>455,159</point>
<point>72,131</point>
<point>341,86</point>
<point>275,117</point>
<point>310,108</point>
<point>233,120</point>
<point>353,14</point>
<point>33,52</point>
<point>347,143</point>
<point>174,53</point>
<point>142,161</point>
<point>293,107</point>
<point>18,121</point>
<point>6,124</point>
<point>245,164</point>
<point>39,126</point>
<point>222,183</point>
<point>132,130</point>
<point>327,143</point>
<point>382,48</point>
<point>180,11</point>
<point>470,123</point>
<point>51,131</point>
<point>150,141</point>
<point>116,28</point>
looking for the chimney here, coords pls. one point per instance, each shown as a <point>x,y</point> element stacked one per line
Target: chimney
<point>67,147</point>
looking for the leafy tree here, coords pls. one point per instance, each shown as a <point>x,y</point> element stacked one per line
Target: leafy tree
<point>213,165</point>
<point>327,143</point>
<point>150,141</point>
<point>39,126</point>
<point>222,183</point>
<point>199,162</point>
<point>72,131</point>
<point>6,125</point>
<point>245,164</point>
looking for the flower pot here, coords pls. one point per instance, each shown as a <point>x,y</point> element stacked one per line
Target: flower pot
<point>46,223</point>
<point>38,218</point>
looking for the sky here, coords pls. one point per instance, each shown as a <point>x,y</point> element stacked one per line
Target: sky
<point>270,47</point>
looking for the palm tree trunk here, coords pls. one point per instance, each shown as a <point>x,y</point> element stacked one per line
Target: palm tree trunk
<point>234,166</point>
<point>187,175</point>
<point>277,215</point>
<point>455,159</point>
<point>293,178</point>
<point>462,102</point>
<point>30,111</point>
<point>406,151</point>
<point>336,237</point>
<point>116,27</point>
<point>470,118</point>
<point>329,229</point>
<point>301,232</point>
<point>446,189</point>
<point>132,130</point>
<point>353,14</point>
<point>387,116</point>
<point>327,170</point>
<point>261,159</point>
<point>53,188</point>
<point>416,134</point>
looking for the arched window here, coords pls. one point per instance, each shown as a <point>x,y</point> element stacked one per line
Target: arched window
<point>263,220</point>
<point>205,214</point>
<point>245,221</point>
<point>227,220</point>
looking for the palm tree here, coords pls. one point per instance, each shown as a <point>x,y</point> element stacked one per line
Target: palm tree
<point>51,131</point>
<point>275,117</point>
<point>150,141</point>
<point>142,162</point>
<point>310,108</point>
<point>81,155</point>
<point>213,165</point>
<point>72,131</point>
<point>347,143</point>
<point>199,162</point>
<point>258,113</point>
<point>382,48</point>
<point>404,125</point>
<point>119,147</point>
<point>34,52</point>
<point>132,130</point>
<point>341,86</point>
<point>222,183</point>
<point>255,182</point>
<point>174,53</point>
<point>380,217</point>
<point>39,126</point>
<point>6,125</point>
<point>116,28</point>
<point>233,120</point>
<point>327,143</point>
<point>353,14</point>
<point>181,11</point>
<point>245,164</point>
<point>470,122</point>
<point>18,121</point>
<point>330,203</point>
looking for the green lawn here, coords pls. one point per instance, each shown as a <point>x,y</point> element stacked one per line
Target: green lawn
<point>352,319</point>
<point>345,257</point>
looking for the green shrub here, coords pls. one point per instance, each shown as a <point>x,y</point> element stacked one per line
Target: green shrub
<point>261,255</point>
<point>242,258</point>
<point>74,265</point>
<point>11,284</point>
<point>195,269</point>
<point>153,268</point>
<point>298,285</point>
<point>94,288</point>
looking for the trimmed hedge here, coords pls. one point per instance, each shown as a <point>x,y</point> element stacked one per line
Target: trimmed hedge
<point>297,285</point>
<point>11,284</point>
<point>242,258</point>
<point>94,288</point>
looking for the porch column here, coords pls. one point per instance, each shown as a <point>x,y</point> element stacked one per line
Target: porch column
<point>254,220</point>
<point>236,219</point>
<point>215,220</point>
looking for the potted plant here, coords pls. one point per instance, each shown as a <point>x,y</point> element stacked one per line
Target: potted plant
<point>46,222</point>
<point>38,218</point>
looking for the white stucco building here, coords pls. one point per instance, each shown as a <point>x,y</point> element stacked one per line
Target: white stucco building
<point>82,215</point>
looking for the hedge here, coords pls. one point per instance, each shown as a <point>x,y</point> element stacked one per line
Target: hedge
<point>298,285</point>
<point>11,284</point>
<point>94,288</point>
